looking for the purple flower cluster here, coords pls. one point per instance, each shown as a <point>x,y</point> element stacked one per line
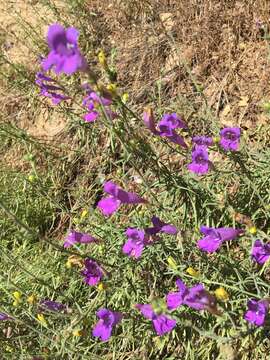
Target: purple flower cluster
<point>118,196</point>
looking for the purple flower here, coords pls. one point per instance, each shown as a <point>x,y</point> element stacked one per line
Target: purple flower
<point>161,323</point>
<point>160,226</point>
<point>92,273</point>
<point>64,54</point>
<point>93,101</point>
<point>137,240</point>
<point>214,237</point>
<point>200,161</point>
<point>75,237</point>
<point>149,121</point>
<point>117,197</point>
<point>167,126</point>
<point>108,319</point>
<point>49,89</point>
<point>257,311</point>
<point>260,252</point>
<point>4,317</point>
<point>229,138</point>
<point>195,297</point>
<point>52,305</point>
<point>202,140</point>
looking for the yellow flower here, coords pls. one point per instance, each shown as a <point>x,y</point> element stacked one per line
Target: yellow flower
<point>102,58</point>
<point>41,319</point>
<point>77,333</point>
<point>192,272</point>
<point>221,294</point>
<point>16,303</point>
<point>216,139</point>
<point>84,213</point>
<point>172,263</point>
<point>252,230</point>
<point>125,98</point>
<point>31,299</point>
<point>101,286</point>
<point>31,178</point>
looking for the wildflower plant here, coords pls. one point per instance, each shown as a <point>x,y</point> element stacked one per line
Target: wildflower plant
<point>126,280</point>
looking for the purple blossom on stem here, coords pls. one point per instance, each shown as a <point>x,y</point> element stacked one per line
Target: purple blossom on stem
<point>167,126</point>
<point>202,140</point>
<point>260,252</point>
<point>161,323</point>
<point>64,55</point>
<point>49,89</point>
<point>229,138</point>
<point>117,197</point>
<point>195,297</point>
<point>93,101</point>
<point>108,319</point>
<point>137,240</point>
<point>92,273</point>
<point>160,226</point>
<point>75,237</point>
<point>257,311</point>
<point>4,317</point>
<point>200,161</point>
<point>214,237</point>
<point>52,305</point>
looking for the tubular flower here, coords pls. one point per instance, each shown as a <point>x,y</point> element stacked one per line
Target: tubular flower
<point>92,272</point>
<point>167,126</point>
<point>75,237</point>
<point>110,204</point>
<point>195,297</point>
<point>93,102</point>
<point>161,323</point>
<point>260,252</point>
<point>64,55</point>
<point>200,160</point>
<point>48,88</point>
<point>202,140</point>
<point>257,311</point>
<point>52,305</point>
<point>214,237</point>
<point>230,138</point>
<point>160,226</point>
<point>107,320</point>
<point>137,240</point>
